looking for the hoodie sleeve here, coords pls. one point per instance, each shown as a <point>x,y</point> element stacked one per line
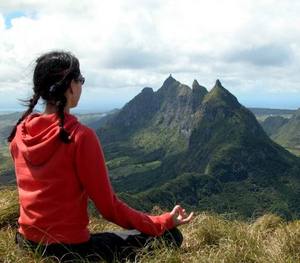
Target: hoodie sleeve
<point>93,174</point>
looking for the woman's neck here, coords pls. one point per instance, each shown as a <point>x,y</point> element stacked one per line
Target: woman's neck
<point>49,109</point>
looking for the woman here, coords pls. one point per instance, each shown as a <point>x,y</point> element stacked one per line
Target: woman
<point>59,164</point>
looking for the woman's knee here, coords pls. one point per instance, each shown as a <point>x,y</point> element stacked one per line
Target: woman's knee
<point>173,237</point>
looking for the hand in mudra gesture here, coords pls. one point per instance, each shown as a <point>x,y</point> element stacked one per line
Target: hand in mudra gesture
<point>180,216</point>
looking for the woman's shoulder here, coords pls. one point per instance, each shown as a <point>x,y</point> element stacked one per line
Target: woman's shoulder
<point>83,131</point>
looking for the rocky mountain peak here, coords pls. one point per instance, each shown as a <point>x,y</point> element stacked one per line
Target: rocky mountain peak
<point>198,93</point>
<point>195,84</point>
<point>147,90</point>
<point>170,81</point>
<point>219,96</point>
<point>218,84</point>
<point>198,88</point>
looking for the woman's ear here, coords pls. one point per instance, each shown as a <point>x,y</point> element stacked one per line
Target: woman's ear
<point>72,86</point>
<point>69,93</point>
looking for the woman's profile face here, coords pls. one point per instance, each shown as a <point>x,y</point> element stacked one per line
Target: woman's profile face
<point>77,92</point>
<point>73,93</point>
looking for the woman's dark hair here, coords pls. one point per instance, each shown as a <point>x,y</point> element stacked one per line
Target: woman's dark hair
<point>52,76</point>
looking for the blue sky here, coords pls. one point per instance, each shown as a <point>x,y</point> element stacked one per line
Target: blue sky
<point>12,15</point>
<point>253,47</point>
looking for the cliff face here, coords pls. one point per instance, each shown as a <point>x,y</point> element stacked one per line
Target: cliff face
<point>157,121</point>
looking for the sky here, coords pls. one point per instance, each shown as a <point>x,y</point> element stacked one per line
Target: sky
<point>252,46</point>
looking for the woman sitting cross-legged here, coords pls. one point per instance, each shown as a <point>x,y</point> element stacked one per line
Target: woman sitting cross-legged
<point>59,164</point>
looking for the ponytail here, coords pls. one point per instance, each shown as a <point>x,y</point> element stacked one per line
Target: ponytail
<point>63,134</point>
<point>31,104</point>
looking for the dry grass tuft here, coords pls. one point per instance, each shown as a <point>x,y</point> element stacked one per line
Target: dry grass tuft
<point>267,223</point>
<point>209,238</point>
<point>9,206</point>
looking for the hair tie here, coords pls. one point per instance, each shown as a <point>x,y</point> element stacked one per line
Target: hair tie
<point>52,88</point>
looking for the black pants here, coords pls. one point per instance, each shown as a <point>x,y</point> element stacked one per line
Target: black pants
<point>108,246</point>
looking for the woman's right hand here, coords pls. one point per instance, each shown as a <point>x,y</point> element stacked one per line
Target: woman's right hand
<point>180,216</point>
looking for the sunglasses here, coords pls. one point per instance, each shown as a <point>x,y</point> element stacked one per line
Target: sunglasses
<point>81,79</point>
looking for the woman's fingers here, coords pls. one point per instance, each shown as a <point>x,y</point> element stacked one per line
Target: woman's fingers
<point>180,216</point>
<point>188,219</point>
<point>183,213</point>
<point>175,209</point>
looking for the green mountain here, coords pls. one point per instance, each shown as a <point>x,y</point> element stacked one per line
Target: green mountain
<point>6,165</point>
<point>272,124</point>
<point>153,124</point>
<point>227,129</point>
<point>288,135</point>
<point>7,121</point>
<point>203,149</point>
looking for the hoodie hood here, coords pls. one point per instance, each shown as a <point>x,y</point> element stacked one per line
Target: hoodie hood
<point>37,136</point>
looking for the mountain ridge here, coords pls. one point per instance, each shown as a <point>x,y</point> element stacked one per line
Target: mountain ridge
<point>213,143</point>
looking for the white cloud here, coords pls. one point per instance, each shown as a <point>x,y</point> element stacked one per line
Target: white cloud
<point>124,45</point>
<point>2,23</point>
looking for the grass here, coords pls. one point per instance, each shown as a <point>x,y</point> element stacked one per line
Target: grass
<point>8,206</point>
<point>209,238</point>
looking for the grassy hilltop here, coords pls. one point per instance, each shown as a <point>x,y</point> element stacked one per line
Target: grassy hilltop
<point>208,238</point>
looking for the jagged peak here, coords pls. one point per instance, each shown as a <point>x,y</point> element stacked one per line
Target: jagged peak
<point>218,88</point>
<point>170,86</point>
<point>218,84</point>
<point>144,94</point>
<point>169,81</point>
<point>219,93</point>
<point>197,86</point>
<point>147,90</point>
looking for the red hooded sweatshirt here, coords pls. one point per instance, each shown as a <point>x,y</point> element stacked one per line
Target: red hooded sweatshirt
<point>55,180</point>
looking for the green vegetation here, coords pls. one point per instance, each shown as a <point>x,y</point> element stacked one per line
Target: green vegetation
<point>272,124</point>
<point>242,199</point>
<point>284,130</point>
<point>289,134</point>
<point>209,238</point>
<point>6,166</point>
<point>152,139</point>
<point>9,206</point>
<point>129,169</point>
<point>213,156</point>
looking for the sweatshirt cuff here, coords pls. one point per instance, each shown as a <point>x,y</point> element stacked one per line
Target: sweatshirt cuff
<point>165,221</point>
<point>168,219</point>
